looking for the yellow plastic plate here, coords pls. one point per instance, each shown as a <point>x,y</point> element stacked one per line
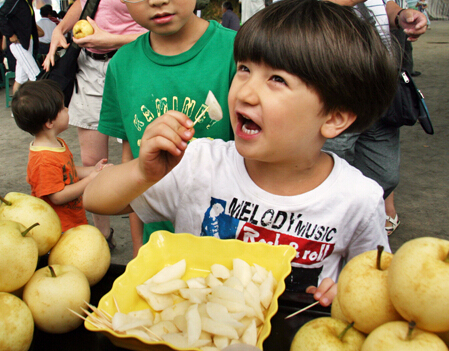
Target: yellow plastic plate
<point>200,253</point>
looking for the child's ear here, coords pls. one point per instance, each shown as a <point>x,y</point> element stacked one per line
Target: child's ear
<point>49,124</point>
<point>336,123</point>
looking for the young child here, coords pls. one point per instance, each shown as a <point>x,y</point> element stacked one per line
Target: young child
<point>38,108</point>
<point>306,71</point>
<point>173,67</point>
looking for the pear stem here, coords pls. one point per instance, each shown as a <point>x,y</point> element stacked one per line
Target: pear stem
<point>52,271</point>
<point>7,203</point>
<point>380,249</point>
<point>411,327</point>
<point>28,229</point>
<point>342,334</point>
<point>447,258</point>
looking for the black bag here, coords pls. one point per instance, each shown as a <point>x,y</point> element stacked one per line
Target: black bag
<point>408,106</point>
<point>65,68</point>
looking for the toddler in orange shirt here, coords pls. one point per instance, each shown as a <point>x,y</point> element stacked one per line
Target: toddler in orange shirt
<point>38,108</point>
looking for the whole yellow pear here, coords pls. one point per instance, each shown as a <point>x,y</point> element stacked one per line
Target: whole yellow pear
<point>82,29</point>
<point>51,292</point>
<point>16,323</point>
<point>363,293</point>
<point>18,256</point>
<point>325,334</point>
<point>400,336</point>
<point>27,209</point>
<point>418,282</point>
<point>86,248</point>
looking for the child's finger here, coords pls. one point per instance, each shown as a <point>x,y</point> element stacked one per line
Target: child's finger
<point>162,137</point>
<point>179,117</point>
<point>325,292</point>
<point>173,125</point>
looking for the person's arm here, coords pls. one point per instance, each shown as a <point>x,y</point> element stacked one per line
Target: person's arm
<point>70,192</point>
<point>73,191</point>
<point>7,9</point>
<point>13,39</point>
<point>135,223</point>
<point>162,147</point>
<point>84,172</point>
<point>413,22</point>
<point>40,31</point>
<point>102,39</point>
<point>58,37</point>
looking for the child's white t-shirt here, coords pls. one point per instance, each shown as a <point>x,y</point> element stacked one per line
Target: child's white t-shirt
<point>210,193</point>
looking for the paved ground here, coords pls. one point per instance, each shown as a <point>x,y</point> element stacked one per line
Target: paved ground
<point>422,197</point>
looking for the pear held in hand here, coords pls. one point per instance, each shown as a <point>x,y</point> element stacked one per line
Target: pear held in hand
<point>27,210</point>
<point>18,255</point>
<point>82,29</point>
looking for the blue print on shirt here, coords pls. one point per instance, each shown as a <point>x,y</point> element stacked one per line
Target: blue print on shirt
<point>218,224</point>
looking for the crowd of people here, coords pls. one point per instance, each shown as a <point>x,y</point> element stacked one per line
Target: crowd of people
<point>297,153</point>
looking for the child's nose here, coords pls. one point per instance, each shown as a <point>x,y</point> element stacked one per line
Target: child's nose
<point>248,92</point>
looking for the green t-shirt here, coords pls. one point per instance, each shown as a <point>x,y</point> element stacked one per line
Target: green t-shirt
<point>142,85</point>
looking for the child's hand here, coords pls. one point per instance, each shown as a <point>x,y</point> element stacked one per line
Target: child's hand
<point>163,144</point>
<point>102,164</point>
<point>325,293</point>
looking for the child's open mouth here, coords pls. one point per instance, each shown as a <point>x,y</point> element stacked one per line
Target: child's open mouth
<point>248,127</point>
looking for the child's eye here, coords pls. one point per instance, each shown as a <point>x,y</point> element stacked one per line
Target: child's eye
<point>278,79</point>
<point>242,68</point>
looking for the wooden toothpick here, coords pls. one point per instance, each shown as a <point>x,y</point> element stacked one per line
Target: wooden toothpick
<point>302,309</point>
<point>116,304</point>
<point>201,115</point>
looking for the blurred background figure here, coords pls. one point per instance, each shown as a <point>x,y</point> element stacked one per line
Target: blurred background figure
<point>230,18</point>
<point>47,26</point>
<point>18,25</point>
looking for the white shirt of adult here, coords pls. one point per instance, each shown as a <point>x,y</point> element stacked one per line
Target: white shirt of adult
<point>47,26</point>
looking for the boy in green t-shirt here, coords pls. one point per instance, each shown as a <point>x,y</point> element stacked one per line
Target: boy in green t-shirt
<point>173,67</point>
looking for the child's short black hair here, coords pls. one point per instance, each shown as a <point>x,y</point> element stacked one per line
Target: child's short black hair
<point>330,48</point>
<point>36,103</point>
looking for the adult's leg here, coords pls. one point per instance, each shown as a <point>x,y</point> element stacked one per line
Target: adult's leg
<point>94,147</point>
<point>377,155</point>
<point>84,112</point>
<point>392,221</point>
<point>343,145</point>
<point>26,66</point>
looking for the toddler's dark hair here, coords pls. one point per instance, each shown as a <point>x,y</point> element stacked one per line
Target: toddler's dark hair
<point>36,103</point>
<point>330,48</point>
